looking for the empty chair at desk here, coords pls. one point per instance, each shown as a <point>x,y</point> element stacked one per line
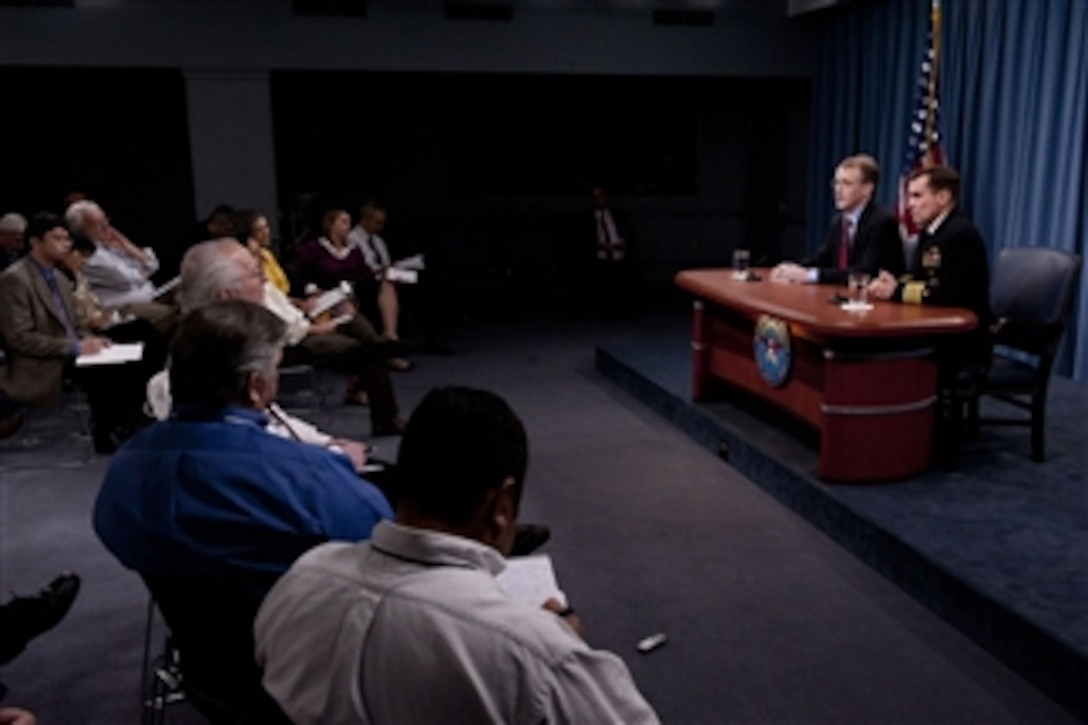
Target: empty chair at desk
<point>1030,296</point>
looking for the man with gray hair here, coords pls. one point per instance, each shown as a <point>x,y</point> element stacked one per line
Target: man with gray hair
<point>209,508</point>
<point>224,269</point>
<point>118,271</point>
<point>209,490</point>
<point>12,244</point>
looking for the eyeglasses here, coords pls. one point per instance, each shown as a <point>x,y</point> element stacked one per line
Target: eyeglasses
<point>57,236</point>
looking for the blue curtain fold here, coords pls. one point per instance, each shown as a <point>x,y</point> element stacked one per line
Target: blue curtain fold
<point>1014,119</point>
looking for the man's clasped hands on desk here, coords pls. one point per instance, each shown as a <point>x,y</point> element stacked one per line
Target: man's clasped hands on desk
<point>947,266</point>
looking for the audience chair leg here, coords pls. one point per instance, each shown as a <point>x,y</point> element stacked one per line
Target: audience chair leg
<point>973,417</point>
<point>1038,426</point>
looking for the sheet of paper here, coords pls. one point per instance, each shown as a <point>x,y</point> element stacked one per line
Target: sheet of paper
<point>531,579</point>
<point>852,306</point>
<point>405,276</point>
<point>415,262</point>
<point>326,301</point>
<point>115,354</point>
<point>341,319</point>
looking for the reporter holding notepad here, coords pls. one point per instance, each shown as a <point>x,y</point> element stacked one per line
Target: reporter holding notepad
<point>43,337</point>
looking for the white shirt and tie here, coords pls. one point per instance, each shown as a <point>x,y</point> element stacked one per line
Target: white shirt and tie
<point>372,246</point>
<point>608,235</point>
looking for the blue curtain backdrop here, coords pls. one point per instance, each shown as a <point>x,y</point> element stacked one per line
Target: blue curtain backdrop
<point>1014,118</point>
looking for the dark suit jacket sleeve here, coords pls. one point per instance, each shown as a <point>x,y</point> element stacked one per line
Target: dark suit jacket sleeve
<point>824,259</point>
<point>17,325</point>
<point>879,244</point>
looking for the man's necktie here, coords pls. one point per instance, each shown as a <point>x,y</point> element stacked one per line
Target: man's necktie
<point>844,244</point>
<point>65,316</point>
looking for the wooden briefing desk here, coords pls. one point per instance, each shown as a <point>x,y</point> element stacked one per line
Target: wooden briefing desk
<point>866,381</point>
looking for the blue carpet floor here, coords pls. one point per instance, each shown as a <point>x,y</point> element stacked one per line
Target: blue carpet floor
<point>998,547</point>
<point>768,619</point>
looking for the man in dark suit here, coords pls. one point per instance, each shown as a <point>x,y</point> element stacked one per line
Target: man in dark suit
<point>862,237</point>
<point>615,277</point>
<point>951,265</point>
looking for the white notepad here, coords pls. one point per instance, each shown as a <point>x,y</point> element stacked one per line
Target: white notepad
<point>531,579</point>
<point>115,354</point>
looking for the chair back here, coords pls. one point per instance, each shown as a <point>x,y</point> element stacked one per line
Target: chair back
<point>1031,293</point>
<point>211,623</point>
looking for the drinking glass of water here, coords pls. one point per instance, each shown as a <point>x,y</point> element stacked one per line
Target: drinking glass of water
<point>741,259</point>
<point>859,288</point>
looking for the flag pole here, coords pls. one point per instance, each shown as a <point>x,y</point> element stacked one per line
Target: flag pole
<point>931,116</point>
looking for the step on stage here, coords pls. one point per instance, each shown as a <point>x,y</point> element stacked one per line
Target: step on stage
<point>998,547</point>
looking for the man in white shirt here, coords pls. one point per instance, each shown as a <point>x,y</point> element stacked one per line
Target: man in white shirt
<point>414,627</point>
<point>119,272</point>
<point>616,277</point>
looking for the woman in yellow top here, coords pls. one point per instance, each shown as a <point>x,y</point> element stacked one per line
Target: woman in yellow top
<point>258,237</point>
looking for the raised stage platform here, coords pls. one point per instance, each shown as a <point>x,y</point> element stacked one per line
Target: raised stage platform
<point>998,547</point>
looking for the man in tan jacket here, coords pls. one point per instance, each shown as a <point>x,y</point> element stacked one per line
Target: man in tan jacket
<point>42,336</point>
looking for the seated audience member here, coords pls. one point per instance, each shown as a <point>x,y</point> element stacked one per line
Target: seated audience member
<point>251,229</point>
<point>330,259</point>
<point>218,224</point>
<point>862,237</point>
<point>210,508</point>
<point>71,198</point>
<point>12,246</point>
<point>110,323</point>
<point>427,296</point>
<point>335,257</point>
<point>376,256</point>
<point>223,268</point>
<point>224,260</point>
<point>209,492</point>
<point>413,627</point>
<point>43,337</point>
<point>118,271</point>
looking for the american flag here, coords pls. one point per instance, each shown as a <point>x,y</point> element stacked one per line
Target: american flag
<point>924,142</point>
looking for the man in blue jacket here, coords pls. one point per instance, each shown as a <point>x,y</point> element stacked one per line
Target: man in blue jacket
<point>209,492</point>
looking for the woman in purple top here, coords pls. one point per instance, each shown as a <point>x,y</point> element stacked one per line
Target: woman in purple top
<point>332,258</point>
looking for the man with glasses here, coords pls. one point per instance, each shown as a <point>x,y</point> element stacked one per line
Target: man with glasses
<point>210,508</point>
<point>43,338</point>
<point>863,235</point>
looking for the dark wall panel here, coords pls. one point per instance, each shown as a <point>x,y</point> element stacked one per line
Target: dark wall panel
<point>119,136</point>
